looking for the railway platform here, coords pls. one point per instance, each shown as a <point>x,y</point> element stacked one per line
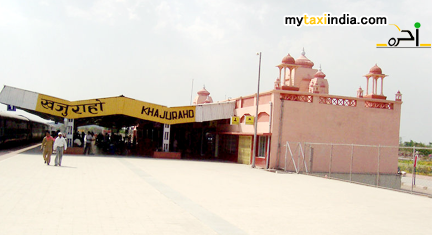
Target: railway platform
<point>138,195</point>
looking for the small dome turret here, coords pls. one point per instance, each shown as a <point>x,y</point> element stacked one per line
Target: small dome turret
<point>319,84</point>
<point>319,74</point>
<point>203,97</point>
<point>203,92</point>
<point>288,59</point>
<point>303,61</point>
<point>375,70</point>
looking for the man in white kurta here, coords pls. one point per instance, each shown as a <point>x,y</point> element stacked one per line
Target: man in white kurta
<point>59,145</point>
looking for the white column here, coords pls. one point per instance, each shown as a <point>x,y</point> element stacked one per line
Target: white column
<point>166,138</point>
<point>69,123</point>
<point>367,85</point>
<point>292,75</point>
<point>280,78</point>
<point>280,74</point>
<point>382,86</point>
<point>375,85</point>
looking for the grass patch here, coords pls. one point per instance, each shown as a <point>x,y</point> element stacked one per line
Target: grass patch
<point>423,167</point>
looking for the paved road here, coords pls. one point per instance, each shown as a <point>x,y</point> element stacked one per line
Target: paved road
<point>118,195</point>
<point>420,180</point>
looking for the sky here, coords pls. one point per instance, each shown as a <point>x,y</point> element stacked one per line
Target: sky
<point>160,51</point>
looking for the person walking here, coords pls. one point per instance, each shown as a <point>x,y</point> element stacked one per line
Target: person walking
<point>88,143</point>
<point>47,147</point>
<point>59,145</point>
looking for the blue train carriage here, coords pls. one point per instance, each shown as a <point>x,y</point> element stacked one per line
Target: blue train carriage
<point>37,130</point>
<point>15,128</point>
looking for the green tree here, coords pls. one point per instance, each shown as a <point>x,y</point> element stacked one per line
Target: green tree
<point>422,152</point>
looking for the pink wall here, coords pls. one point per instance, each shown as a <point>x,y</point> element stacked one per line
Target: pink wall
<point>326,123</point>
<point>249,107</point>
<point>302,78</point>
<point>329,119</point>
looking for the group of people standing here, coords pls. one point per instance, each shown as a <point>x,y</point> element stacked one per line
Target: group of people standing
<point>58,145</point>
<point>88,143</point>
<point>85,141</point>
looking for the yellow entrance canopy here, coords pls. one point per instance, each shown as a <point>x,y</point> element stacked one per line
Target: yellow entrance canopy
<point>96,107</point>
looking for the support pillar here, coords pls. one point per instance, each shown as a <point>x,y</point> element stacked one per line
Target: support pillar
<point>166,138</point>
<point>367,85</point>
<point>69,123</point>
<point>382,79</point>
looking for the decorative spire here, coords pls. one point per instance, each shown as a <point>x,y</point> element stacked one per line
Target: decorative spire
<point>360,93</point>
<point>277,84</point>
<point>398,96</point>
<point>319,73</point>
<point>303,61</point>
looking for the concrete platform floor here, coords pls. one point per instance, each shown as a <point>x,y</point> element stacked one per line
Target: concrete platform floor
<point>119,195</point>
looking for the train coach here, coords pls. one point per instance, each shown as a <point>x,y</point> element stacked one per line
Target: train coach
<point>15,128</point>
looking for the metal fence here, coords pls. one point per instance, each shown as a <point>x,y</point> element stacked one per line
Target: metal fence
<point>365,164</point>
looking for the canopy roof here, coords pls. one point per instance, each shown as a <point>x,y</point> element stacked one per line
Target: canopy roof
<point>97,110</point>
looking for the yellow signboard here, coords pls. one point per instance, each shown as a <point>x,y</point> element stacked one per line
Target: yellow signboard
<point>249,120</point>
<point>159,113</point>
<point>115,106</point>
<point>235,120</point>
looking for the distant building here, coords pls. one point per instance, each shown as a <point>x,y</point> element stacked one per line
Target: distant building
<point>300,109</point>
<point>203,97</point>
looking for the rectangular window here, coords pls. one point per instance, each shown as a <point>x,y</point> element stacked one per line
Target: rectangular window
<point>229,144</point>
<point>262,146</point>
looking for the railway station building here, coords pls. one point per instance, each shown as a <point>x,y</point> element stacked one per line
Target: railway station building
<point>299,109</point>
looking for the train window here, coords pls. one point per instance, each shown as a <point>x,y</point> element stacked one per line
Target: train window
<point>22,125</point>
<point>9,124</point>
<point>1,127</point>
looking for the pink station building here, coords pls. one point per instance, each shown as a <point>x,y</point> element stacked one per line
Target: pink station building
<point>300,126</point>
<point>347,137</point>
